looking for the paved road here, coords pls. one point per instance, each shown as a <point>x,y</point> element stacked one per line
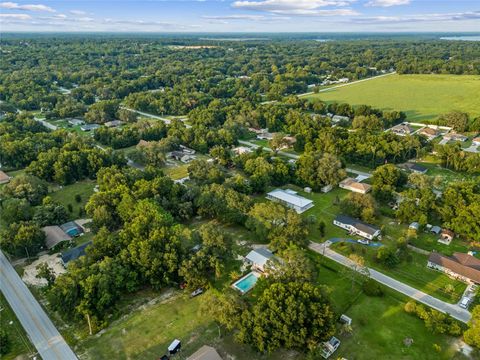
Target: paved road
<point>41,331</point>
<point>454,310</point>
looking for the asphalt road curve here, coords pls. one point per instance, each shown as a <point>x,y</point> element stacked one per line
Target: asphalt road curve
<point>40,329</point>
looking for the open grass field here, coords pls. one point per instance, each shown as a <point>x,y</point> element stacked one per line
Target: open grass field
<point>421,97</point>
<point>20,344</point>
<point>66,195</point>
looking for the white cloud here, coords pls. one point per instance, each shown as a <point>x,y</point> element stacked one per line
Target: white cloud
<point>387,3</point>
<point>78,12</point>
<point>297,7</point>
<point>26,7</point>
<point>16,16</point>
<point>469,15</point>
<point>247,17</point>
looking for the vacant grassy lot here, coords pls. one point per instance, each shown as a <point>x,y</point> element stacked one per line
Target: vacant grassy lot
<point>20,344</point>
<point>422,97</point>
<point>66,195</point>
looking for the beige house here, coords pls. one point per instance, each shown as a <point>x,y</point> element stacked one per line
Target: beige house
<point>4,178</point>
<point>205,353</point>
<point>460,266</point>
<point>354,185</point>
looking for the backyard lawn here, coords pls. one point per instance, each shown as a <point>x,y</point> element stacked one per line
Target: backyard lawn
<point>421,97</point>
<point>66,195</point>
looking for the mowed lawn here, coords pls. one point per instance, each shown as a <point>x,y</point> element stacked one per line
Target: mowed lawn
<point>421,97</point>
<point>66,195</point>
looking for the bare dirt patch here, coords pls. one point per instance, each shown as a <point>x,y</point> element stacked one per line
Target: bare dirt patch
<point>30,271</point>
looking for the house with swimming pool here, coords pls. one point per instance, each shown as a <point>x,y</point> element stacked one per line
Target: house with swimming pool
<point>257,259</point>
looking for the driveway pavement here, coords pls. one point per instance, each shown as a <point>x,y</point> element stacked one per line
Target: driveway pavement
<point>40,329</point>
<point>454,310</point>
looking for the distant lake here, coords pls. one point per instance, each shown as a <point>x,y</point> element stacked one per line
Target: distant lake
<point>462,38</point>
<point>323,40</point>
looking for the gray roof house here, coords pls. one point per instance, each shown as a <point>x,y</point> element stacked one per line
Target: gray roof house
<point>414,167</point>
<point>414,225</point>
<point>357,227</point>
<point>89,127</point>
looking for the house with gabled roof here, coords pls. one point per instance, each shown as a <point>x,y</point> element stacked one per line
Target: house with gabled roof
<point>460,266</point>
<point>354,185</point>
<point>357,227</point>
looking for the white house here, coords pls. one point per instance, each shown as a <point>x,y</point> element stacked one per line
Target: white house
<point>258,258</point>
<point>354,185</point>
<point>403,129</point>
<point>290,199</point>
<point>357,227</point>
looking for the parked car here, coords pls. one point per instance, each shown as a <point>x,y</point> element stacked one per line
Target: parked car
<point>363,242</point>
<point>197,292</point>
<point>465,302</point>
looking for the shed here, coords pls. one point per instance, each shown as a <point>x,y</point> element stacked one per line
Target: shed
<point>345,319</point>
<point>414,225</point>
<point>436,229</point>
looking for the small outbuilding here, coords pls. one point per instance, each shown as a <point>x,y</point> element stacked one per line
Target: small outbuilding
<point>414,225</point>
<point>435,230</point>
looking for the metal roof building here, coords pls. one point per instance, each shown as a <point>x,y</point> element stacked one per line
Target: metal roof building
<point>290,199</point>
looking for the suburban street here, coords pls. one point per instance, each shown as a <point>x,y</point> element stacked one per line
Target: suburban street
<point>40,329</point>
<point>454,310</point>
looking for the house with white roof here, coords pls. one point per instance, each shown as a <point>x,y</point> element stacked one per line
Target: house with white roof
<point>258,258</point>
<point>290,199</point>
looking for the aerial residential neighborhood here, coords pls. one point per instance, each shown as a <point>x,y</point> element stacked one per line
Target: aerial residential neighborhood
<point>239,180</point>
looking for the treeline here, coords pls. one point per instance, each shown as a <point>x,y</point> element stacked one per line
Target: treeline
<point>34,71</point>
<point>21,139</point>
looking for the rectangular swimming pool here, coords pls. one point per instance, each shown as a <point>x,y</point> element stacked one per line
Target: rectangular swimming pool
<point>246,283</point>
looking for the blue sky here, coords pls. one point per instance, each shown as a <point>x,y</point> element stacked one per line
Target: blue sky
<point>241,15</point>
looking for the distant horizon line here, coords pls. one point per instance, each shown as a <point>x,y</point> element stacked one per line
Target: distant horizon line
<point>235,32</point>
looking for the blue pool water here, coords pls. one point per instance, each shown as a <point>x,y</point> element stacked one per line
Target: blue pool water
<point>246,283</point>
